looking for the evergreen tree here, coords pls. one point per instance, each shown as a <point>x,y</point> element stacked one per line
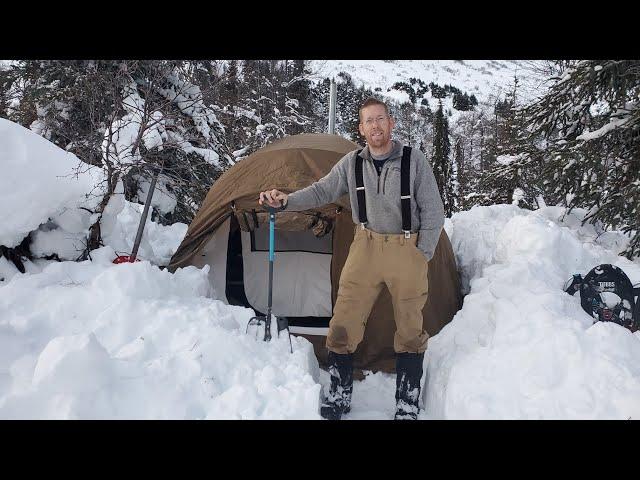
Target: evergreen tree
<point>348,104</point>
<point>462,102</point>
<point>413,117</point>
<point>586,132</point>
<point>299,102</point>
<point>509,179</point>
<point>229,98</point>
<point>462,176</point>
<point>275,100</point>
<point>415,88</point>
<point>437,91</point>
<point>7,80</point>
<point>441,162</point>
<point>320,99</point>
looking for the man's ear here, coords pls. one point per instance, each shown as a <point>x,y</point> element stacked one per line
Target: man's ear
<point>360,129</point>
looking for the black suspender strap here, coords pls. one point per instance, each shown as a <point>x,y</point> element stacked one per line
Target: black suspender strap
<point>362,206</point>
<point>405,191</point>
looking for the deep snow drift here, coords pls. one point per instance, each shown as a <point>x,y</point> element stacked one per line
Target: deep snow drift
<point>521,347</point>
<point>39,181</point>
<point>97,340</point>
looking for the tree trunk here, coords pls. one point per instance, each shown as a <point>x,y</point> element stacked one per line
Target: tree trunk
<point>94,240</point>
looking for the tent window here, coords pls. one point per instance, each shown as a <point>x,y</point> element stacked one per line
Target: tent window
<point>290,241</point>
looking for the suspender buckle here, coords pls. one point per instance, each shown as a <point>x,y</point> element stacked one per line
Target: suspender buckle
<point>362,226</point>
<point>407,233</point>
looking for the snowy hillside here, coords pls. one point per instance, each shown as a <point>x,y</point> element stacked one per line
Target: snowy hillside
<point>482,78</point>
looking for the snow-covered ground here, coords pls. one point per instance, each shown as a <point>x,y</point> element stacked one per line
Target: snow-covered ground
<point>96,340</point>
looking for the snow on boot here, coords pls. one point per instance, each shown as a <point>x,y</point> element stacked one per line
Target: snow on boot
<point>408,376</point>
<point>338,401</point>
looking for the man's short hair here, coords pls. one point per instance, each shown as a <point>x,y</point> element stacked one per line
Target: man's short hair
<point>371,101</point>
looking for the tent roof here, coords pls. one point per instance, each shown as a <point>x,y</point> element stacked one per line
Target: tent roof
<point>310,141</point>
<point>288,164</point>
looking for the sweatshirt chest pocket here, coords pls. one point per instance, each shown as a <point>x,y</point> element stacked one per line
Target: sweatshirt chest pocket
<point>391,182</point>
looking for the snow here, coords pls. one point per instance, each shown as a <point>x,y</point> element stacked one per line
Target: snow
<point>188,98</point>
<point>7,270</point>
<point>38,183</point>
<point>98,340</point>
<point>520,347</point>
<point>210,156</point>
<point>614,122</point>
<point>119,227</point>
<point>482,78</point>
<point>162,199</point>
<point>155,135</point>
<point>53,200</point>
<point>120,145</point>
<point>507,159</point>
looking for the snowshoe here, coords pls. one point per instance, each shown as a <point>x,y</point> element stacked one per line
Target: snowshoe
<point>606,293</point>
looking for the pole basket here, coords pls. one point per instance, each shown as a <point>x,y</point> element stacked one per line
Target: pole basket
<point>125,259</point>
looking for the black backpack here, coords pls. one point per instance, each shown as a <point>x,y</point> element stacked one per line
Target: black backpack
<point>607,278</point>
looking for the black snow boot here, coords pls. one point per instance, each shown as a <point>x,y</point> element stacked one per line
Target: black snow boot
<point>408,376</point>
<point>338,402</point>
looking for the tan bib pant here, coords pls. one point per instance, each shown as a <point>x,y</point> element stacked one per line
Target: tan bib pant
<point>375,260</point>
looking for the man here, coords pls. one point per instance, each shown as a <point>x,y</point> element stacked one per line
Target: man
<point>394,240</point>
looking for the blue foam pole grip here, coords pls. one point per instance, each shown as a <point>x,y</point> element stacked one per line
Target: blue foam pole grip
<point>272,223</point>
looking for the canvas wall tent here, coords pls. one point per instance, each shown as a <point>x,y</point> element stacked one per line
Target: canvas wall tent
<point>230,233</point>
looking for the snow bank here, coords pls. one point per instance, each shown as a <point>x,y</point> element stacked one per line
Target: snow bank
<point>521,347</point>
<point>41,195</point>
<point>97,340</point>
<point>38,183</point>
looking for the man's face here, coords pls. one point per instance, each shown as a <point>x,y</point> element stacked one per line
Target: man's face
<point>376,126</point>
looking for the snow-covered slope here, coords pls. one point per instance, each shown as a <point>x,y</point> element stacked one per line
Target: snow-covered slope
<point>481,78</point>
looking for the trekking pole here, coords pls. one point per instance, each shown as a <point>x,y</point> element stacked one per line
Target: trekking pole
<point>143,218</point>
<point>283,323</point>
<point>272,227</point>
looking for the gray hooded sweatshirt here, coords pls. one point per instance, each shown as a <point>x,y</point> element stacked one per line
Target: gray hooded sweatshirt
<point>382,195</point>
